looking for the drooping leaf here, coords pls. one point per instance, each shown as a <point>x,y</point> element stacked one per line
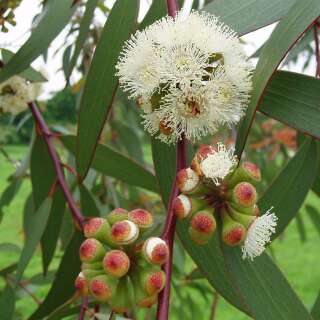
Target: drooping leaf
<point>293,99</point>
<point>9,269</point>
<point>288,190</point>
<point>114,164</point>
<point>300,16</point>
<point>7,302</point>
<point>37,227</point>
<point>63,286</point>
<point>249,15</point>
<point>55,16</point>
<point>301,228</point>
<point>314,216</point>
<point>30,73</point>
<point>315,312</point>
<point>89,207</point>
<point>83,32</point>
<point>101,83</point>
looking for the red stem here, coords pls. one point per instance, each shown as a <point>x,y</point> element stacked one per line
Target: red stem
<point>84,307</point>
<point>47,136</point>
<point>317,51</point>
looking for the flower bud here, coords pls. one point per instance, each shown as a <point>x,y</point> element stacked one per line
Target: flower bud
<point>103,287</point>
<point>244,219</point>
<point>142,218</point>
<point>202,226</point>
<point>91,250</point>
<point>122,300</point>
<point>91,273</point>
<point>247,171</point>
<point>116,263</point>
<point>184,206</point>
<point>81,285</point>
<point>153,281</point>
<point>91,266</point>
<point>244,195</point>
<point>124,232</point>
<point>233,232</point>
<point>116,215</point>
<point>202,153</point>
<point>155,250</point>
<point>97,228</point>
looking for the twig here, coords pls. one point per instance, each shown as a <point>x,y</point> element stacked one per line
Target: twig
<point>84,307</point>
<point>47,136</point>
<point>214,305</point>
<point>317,48</point>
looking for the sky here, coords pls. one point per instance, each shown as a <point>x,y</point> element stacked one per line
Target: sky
<point>29,8</point>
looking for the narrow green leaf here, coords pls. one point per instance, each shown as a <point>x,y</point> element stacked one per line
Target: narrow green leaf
<point>89,207</point>
<point>314,216</point>
<point>300,16</point>
<point>30,73</point>
<point>83,32</point>
<point>7,302</point>
<point>249,15</point>
<point>101,83</point>
<point>157,10</point>
<point>11,247</point>
<point>293,99</point>
<point>315,312</point>
<point>288,190</point>
<point>9,269</point>
<point>63,286</point>
<point>301,228</point>
<point>114,164</point>
<point>55,16</point>
<point>37,227</point>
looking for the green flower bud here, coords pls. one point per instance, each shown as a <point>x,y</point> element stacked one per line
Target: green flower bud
<point>81,285</point>
<point>243,194</point>
<point>123,298</point>
<point>91,266</point>
<point>142,218</point>
<point>184,206</point>
<point>103,287</point>
<point>244,219</point>
<point>116,263</point>
<point>155,250</point>
<point>99,229</point>
<point>124,232</point>
<point>91,250</point>
<point>246,172</point>
<point>116,215</point>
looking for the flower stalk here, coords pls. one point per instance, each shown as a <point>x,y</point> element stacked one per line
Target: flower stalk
<point>47,136</point>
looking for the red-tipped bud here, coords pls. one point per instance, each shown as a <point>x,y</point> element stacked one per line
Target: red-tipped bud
<point>116,215</point>
<point>154,281</point>
<point>202,153</point>
<point>188,181</point>
<point>124,232</point>
<point>123,298</point>
<point>244,195</point>
<point>116,263</point>
<point>103,287</point>
<point>202,226</point>
<point>147,302</point>
<point>142,218</point>
<point>91,250</point>
<point>81,285</point>
<point>97,228</point>
<point>252,171</point>
<point>184,206</point>
<point>233,232</point>
<point>155,250</point>
<point>248,172</point>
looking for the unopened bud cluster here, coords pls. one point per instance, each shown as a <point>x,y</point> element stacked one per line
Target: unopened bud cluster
<point>214,189</point>
<point>117,266</point>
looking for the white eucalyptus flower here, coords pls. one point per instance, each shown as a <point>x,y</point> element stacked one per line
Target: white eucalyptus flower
<point>15,93</point>
<point>219,163</point>
<point>259,235</point>
<point>193,72</point>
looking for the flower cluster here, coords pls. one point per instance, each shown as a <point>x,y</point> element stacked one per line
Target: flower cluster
<point>118,267</point>
<point>215,189</point>
<point>15,93</point>
<point>188,74</point>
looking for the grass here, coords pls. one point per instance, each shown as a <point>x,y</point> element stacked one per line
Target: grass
<point>297,259</point>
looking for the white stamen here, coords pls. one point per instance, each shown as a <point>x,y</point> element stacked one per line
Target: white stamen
<point>218,164</point>
<point>258,235</point>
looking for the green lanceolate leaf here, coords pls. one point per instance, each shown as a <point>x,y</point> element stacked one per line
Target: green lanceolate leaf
<point>63,285</point>
<point>101,83</point>
<point>300,16</point>
<point>248,15</point>
<point>288,190</point>
<point>314,216</point>
<point>315,312</point>
<point>55,16</point>
<point>114,164</point>
<point>28,74</point>
<point>293,99</point>
<point>157,10</point>
<point>89,206</point>
<point>7,302</point>
<point>83,32</point>
<point>37,227</point>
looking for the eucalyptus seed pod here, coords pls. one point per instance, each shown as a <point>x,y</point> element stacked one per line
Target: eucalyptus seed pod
<point>155,251</point>
<point>202,226</point>
<point>116,263</point>
<point>81,285</point>
<point>123,298</point>
<point>103,287</point>
<point>142,218</point>
<point>116,215</point>
<point>247,171</point>
<point>91,250</point>
<point>98,228</point>
<point>244,195</point>
<point>233,232</point>
<point>185,206</point>
<point>124,232</point>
